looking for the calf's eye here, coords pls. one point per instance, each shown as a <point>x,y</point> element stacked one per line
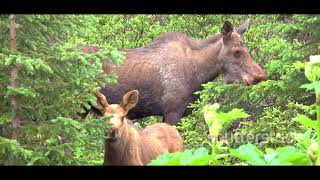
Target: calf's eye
<point>237,54</point>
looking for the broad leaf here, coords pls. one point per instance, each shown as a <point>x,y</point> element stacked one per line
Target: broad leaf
<point>249,153</point>
<point>305,121</point>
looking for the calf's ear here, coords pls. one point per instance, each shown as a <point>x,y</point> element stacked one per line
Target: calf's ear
<point>129,100</point>
<point>102,102</point>
<point>227,29</point>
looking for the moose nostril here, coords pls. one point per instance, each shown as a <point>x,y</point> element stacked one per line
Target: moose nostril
<point>256,81</point>
<point>113,129</point>
<point>260,78</point>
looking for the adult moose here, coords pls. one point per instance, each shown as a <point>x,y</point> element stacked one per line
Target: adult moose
<point>171,68</point>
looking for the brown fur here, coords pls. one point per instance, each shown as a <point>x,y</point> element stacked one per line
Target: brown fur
<point>136,147</point>
<point>171,68</point>
<point>130,146</point>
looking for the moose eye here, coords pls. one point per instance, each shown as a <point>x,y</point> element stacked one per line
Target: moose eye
<point>237,54</point>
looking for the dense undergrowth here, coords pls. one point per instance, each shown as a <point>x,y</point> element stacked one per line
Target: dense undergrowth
<point>264,124</point>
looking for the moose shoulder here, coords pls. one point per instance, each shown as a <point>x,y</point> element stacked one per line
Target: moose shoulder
<point>171,68</point>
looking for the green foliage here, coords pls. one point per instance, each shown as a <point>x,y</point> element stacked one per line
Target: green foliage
<point>72,143</point>
<point>281,156</point>
<point>147,121</point>
<point>195,134</point>
<point>305,121</point>
<point>306,151</point>
<point>275,128</point>
<point>11,150</point>
<point>303,154</point>
<point>277,42</point>
<point>312,70</point>
<point>216,122</point>
<point>89,151</point>
<point>54,81</point>
<point>198,157</point>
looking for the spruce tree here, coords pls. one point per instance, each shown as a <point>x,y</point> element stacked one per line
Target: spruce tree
<point>44,82</point>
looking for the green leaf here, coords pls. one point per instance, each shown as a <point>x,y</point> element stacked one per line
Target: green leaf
<point>312,86</point>
<point>291,156</point>
<point>270,158</point>
<point>167,159</point>
<point>116,57</point>
<point>33,160</point>
<point>199,157</point>
<point>233,115</point>
<point>29,67</point>
<point>212,119</point>
<point>312,69</point>
<point>304,140</point>
<point>8,60</point>
<point>5,118</point>
<point>217,120</point>
<point>305,121</point>
<point>22,91</point>
<point>249,153</point>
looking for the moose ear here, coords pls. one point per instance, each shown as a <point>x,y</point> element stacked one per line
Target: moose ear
<point>130,100</point>
<point>102,102</point>
<point>227,29</point>
<point>244,27</point>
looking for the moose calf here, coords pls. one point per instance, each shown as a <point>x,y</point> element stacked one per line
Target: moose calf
<point>127,145</point>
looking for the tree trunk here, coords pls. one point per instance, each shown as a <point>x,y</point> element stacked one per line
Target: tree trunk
<point>14,81</point>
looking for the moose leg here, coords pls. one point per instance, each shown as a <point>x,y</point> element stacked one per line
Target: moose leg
<point>175,104</point>
<point>173,118</point>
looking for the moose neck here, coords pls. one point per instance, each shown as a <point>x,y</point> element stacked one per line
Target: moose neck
<point>118,152</point>
<point>206,63</point>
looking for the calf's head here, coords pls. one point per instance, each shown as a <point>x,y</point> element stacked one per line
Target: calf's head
<point>117,112</point>
<point>236,62</point>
